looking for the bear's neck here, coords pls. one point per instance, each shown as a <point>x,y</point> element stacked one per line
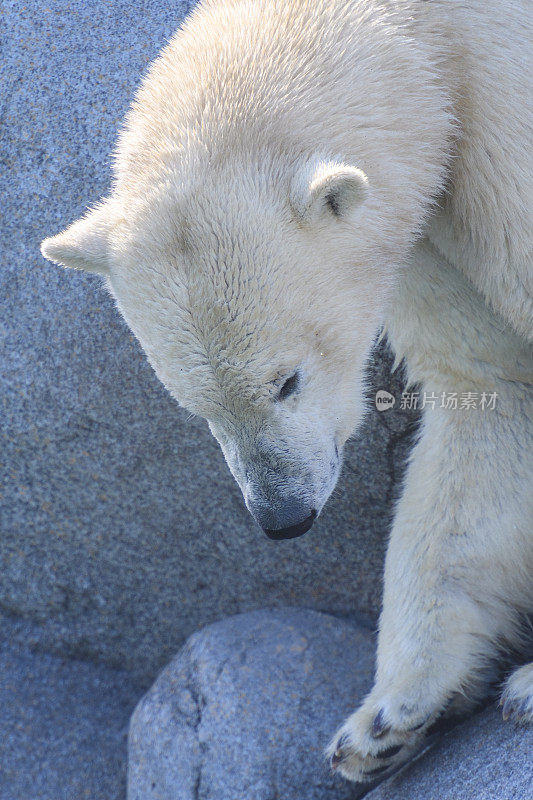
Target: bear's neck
<point>481,224</point>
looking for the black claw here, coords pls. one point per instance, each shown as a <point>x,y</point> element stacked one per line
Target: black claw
<point>515,710</point>
<point>338,756</point>
<point>376,771</point>
<point>420,725</point>
<point>343,741</point>
<point>389,751</point>
<point>379,726</point>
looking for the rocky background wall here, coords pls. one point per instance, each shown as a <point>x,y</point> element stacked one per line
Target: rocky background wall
<point>122,531</point>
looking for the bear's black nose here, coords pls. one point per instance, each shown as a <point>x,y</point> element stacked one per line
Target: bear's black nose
<point>293,530</point>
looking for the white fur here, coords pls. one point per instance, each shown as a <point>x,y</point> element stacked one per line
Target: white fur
<point>458,572</point>
<point>291,177</point>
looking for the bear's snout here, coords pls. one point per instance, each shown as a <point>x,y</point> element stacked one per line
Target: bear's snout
<point>287,521</point>
<point>293,530</point>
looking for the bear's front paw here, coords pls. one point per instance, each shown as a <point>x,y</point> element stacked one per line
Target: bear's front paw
<point>376,739</point>
<point>517,696</point>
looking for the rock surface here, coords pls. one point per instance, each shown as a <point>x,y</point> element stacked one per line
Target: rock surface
<point>63,724</point>
<point>246,708</point>
<point>245,711</point>
<point>122,529</point>
<point>483,759</point>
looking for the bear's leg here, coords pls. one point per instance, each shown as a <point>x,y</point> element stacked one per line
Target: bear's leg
<point>517,696</point>
<point>459,557</point>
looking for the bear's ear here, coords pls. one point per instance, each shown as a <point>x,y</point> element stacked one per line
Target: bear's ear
<point>327,187</point>
<point>85,243</point>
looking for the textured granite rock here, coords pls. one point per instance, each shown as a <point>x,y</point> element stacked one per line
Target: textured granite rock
<point>245,711</point>
<point>122,529</point>
<point>63,724</point>
<point>483,759</point>
<point>246,708</point>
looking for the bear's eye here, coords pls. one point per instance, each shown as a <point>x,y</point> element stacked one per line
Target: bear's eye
<point>289,387</point>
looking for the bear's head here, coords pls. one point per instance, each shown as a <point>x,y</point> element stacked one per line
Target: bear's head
<point>256,292</point>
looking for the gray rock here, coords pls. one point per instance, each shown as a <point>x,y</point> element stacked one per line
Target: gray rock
<point>245,711</point>
<point>246,708</point>
<point>122,529</point>
<point>63,725</point>
<point>483,759</point>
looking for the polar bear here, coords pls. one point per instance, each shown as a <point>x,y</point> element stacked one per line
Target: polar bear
<point>293,178</point>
